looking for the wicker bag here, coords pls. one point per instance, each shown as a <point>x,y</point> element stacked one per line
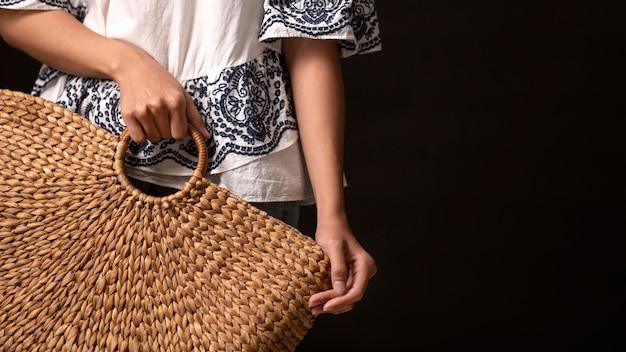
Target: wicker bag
<point>88,262</point>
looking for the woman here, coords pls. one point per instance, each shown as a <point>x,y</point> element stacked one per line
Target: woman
<point>260,80</point>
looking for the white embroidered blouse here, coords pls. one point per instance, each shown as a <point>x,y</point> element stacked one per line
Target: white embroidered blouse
<point>227,54</point>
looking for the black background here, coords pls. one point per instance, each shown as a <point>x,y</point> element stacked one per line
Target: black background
<point>485,154</point>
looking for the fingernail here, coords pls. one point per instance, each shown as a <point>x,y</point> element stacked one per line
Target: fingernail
<point>339,286</point>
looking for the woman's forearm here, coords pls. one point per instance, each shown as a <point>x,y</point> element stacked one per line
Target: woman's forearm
<point>61,41</point>
<point>316,77</point>
<point>153,103</point>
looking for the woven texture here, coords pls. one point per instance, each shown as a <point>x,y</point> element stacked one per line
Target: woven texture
<point>90,263</point>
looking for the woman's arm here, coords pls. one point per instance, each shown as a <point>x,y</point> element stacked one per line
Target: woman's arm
<point>316,77</point>
<point>153,103</point>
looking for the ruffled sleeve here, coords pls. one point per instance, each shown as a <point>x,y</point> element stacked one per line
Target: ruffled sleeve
<point>354,23</point>
<point>76,8</point>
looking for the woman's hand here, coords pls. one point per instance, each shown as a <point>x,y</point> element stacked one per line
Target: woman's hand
<point>351,269</point>
<point>153,103</point>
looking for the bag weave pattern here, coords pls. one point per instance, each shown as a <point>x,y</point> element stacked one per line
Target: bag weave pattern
<point>90,263</point>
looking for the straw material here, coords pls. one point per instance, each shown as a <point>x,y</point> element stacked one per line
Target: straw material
<point>90,263</point>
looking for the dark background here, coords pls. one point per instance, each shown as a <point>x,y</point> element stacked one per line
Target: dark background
<point>485,156</point>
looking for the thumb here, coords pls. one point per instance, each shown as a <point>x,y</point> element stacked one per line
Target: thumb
<point>338,270</point>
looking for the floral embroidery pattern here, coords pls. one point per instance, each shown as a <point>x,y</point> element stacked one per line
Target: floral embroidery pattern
<point>246,110</point>
<point>322,17</point>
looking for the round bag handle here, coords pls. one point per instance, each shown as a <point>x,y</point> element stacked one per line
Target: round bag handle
<point>119,165</point>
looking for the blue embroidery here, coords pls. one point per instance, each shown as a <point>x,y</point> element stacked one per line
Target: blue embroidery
<point>10,2</point>
<point>247,109</point>
<point>318,18</point>
<point>77,11</point>
<point>46,75</point>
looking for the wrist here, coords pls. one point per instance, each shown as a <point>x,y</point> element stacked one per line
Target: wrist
<point>124,59</point>
<point>327,217</point>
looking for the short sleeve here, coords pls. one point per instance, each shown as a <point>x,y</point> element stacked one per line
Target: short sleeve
<point>354,23</point>
<point>76,8</point>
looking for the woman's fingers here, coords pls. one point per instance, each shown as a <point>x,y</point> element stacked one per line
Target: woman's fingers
<point>163,118</point>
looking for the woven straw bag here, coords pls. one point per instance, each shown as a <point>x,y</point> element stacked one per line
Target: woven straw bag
<point>90,263</point>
